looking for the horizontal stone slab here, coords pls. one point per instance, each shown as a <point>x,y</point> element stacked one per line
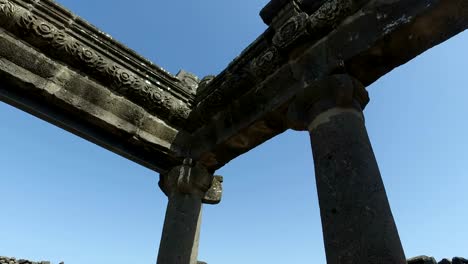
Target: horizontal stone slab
<point>50,90</point>
<point>68,39</point>
<point>248,101</point>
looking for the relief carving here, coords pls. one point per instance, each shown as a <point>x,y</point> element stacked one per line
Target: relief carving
<point>46,36</point>
<point>292,30</point>
<point>329,15</point>
<point>265,63</point>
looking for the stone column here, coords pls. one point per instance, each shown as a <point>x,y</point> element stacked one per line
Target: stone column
<point>185,187</point>
<point>357,222</point>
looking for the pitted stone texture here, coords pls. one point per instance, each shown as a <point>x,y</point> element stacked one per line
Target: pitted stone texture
<point>357,221</point>
<point>7,260</point>
<point>185,186</point>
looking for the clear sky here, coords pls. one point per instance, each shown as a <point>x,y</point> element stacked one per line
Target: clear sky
<point>65,199</point>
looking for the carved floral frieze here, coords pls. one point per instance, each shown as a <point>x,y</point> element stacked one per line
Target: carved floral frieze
<point>57,43</point>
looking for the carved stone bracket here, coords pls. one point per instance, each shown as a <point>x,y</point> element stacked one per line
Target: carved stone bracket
<point>59,44</point>
<point>193,179</point>
<point>215,193</point>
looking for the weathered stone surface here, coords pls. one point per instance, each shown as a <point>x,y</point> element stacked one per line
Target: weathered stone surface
<point>422,260</point>
<point>73,41</point>
<point>215,193</point>
<point>7,260</point>
<point>52,91</point>
<point>219,118</point>
<point>366,42</point>
<point>185,187</point>
<point>357,222</point>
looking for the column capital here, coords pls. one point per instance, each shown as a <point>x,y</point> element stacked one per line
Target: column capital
<point>335,91</point>
<point>188,178</point>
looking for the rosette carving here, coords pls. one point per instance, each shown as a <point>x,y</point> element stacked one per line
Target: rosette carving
<point>26,20</point>
<point>44,30</point>
<point>329,15</point>
<point>58,43</point>
<point>291,31</point>
<point>265,63</point>
<point>7,8</point>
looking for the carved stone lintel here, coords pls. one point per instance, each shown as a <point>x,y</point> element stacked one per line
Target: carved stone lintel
<point>188,178</point>
<point>153,94</point>
<point>340,90</point>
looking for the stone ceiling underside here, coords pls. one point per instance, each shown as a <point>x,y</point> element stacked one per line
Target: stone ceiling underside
<point>60,68</point>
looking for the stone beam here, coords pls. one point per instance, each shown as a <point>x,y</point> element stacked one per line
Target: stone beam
<point>246,104</point>
<point>61,69</point>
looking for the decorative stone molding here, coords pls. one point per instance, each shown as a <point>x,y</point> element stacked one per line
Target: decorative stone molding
<point>292,28</point>
<point>291,31</point>
<point>329,15</point>
<point>265,63</point>
<point>59,43</point>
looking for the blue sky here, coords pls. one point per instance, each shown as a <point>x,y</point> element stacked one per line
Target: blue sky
<point>65,199</point>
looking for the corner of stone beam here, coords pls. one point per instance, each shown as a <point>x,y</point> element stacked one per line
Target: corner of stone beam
<point>189,80</point>
<point>277,12</point>
<point>281,10</point>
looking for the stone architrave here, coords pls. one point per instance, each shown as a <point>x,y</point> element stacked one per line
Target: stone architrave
<point>185,187</point>
<point>357,223</point>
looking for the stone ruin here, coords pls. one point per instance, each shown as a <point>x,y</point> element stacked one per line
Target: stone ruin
<point>7,260</point>
<point>431,260</point>
<point>308,72</point>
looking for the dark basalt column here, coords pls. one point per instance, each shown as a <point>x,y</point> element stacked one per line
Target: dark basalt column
<point>357,222</point>
<point>185,187</point>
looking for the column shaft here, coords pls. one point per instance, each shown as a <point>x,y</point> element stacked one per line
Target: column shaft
<point>357,222</point>
<point>180,236</point>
